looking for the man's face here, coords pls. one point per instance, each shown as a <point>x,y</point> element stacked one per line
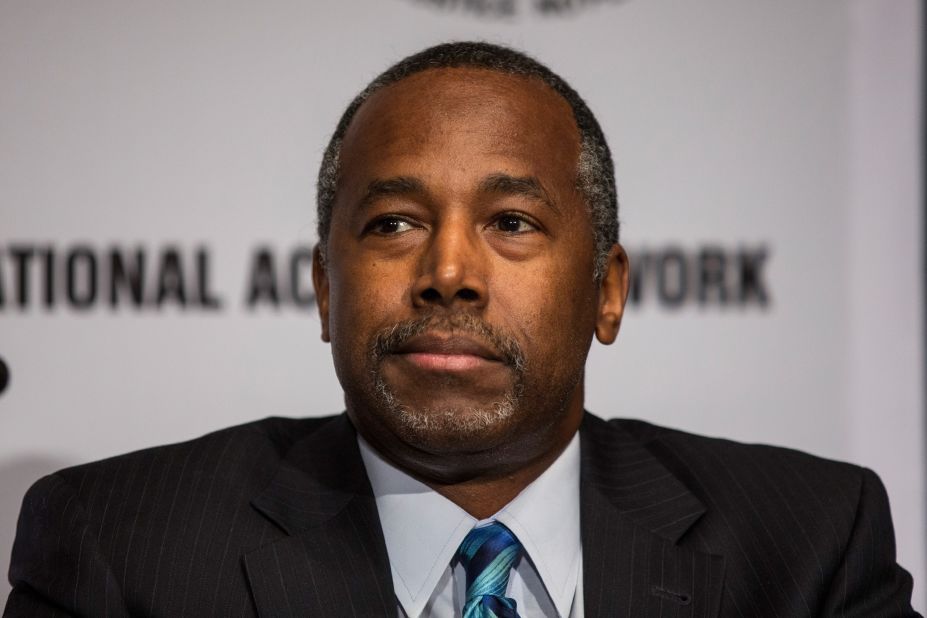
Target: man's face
<point>458,292</point>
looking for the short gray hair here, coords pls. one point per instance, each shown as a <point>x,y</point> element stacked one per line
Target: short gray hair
<point>595,174</point>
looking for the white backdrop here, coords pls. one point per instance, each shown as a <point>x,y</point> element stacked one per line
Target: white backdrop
<point>782,136</point>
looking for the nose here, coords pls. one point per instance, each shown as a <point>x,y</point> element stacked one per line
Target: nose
<point>452,270</point>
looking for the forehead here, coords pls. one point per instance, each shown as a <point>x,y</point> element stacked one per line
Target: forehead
<point>465,110</point>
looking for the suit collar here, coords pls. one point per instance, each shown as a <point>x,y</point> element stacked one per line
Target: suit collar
<point>628,476</point>
<point>323,472</point>
<point>333,561</point>
<point>320,475</point>
<point>634,512</point>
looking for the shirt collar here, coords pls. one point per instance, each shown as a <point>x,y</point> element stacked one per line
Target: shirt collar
<point>423,529</point>
<point>545,518</point>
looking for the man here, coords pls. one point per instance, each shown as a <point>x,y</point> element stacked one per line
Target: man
<point>468,253</point>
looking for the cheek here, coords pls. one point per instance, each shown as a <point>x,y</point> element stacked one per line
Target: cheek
<point>363,295</point>
<point>550,308</point>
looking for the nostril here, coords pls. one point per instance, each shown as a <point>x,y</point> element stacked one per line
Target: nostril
<point>431,295</point>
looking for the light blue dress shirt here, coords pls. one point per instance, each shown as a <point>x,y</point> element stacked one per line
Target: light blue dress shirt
<point>423,530</point>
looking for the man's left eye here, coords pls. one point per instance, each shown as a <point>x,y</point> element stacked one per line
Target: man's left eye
<point>513,224</point>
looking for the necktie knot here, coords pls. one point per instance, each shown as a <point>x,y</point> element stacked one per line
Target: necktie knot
<point>487,555</point>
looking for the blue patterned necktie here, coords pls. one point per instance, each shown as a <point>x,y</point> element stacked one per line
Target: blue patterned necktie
<point>487,555</point>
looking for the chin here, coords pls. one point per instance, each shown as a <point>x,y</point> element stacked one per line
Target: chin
<point>455,426</point>
<point>452,427</point>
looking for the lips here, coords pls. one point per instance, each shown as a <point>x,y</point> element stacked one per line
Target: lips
<point>445,352</point>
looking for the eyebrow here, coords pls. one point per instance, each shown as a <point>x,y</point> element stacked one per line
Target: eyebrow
<point>499,183</point>
<point>386,187</point>
<point>525,186</point>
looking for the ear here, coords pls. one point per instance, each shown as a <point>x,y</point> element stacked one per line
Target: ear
<point>613,294</point>
<point>320,283</point>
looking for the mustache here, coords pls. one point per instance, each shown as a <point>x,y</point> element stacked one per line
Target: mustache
<point>389,340</point>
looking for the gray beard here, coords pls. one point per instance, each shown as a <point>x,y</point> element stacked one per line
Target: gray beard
<point>458,422</point>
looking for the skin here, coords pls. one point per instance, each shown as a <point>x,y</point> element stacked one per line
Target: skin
<point>457,197</point>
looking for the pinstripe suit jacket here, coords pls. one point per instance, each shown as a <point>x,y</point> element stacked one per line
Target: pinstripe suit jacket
<point>276,518</point>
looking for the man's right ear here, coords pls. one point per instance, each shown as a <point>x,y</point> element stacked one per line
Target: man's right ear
<point>320,283</point>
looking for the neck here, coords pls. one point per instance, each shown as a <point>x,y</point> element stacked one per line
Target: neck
<point>483,497</point>
<point>481,482</point>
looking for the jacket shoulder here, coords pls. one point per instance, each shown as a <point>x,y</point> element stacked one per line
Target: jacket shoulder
<point>175,517</point>
<point>684,452</point>
<point>756,477</point>
<point>794,528</point>
<point>271,437</point>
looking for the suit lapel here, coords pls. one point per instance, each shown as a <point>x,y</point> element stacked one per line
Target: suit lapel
<point>633,512</point>
<point>333,561</point>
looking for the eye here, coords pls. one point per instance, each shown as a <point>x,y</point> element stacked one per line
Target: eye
<point>512,223</point>
<point>389,225</point>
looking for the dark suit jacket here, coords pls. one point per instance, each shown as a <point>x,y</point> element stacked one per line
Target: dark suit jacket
<point>276,518</point>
